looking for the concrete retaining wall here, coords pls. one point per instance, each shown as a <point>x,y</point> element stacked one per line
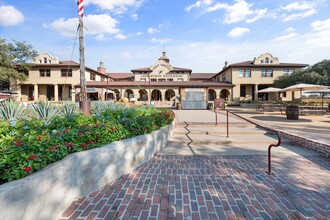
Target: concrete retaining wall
<point>47,193</point>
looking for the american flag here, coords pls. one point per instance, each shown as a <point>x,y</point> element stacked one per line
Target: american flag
<point>80,8</point>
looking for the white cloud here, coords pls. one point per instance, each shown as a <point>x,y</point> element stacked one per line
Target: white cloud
<point>300,15</point>
<point>153,30</point>
<point>139,33</point>
<point>319,37</point>
<point>238,32</point>
<point>120,36</point>
<point>157,40</point>
<point>10,16</point>
<point>199,4</point>
<point>100,37</point>
<point>301,5</point>
<point>259,14</point>
<point>115,6</point>
<point>286,36</point>
<point>134,17</point>
<point>321,25</point>
<point>95,24</point>
<point>239,11</point>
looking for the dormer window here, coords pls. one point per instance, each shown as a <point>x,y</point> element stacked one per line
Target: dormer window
<point>261,61</point>
<point>267,60</point>
<point>45,60</point>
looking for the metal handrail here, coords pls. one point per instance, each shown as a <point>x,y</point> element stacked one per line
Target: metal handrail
<point>279,141</point>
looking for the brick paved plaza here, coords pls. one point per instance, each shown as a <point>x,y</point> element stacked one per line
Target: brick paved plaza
<point>213,187</point>
<point>216,178</point>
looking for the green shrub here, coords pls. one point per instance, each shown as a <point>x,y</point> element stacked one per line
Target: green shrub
<point>30,145</point>
<point>10,110</point>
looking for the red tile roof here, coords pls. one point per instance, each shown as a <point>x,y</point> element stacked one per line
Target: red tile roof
<point>160,84</point>
<point>201,76</point>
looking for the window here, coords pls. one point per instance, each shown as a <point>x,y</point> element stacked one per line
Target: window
<point>153,80</point>
<point>245,73</point>
<point>266,73</point>
<point>243,91</point>
<point>49,61</point>
<point>161,80</point>
<point>143,79</point>
<point>180,79</point>
<point>66,72</point>
<point>44,72</point>
<point>170,79</point>
<point>92,76</point>
<point>223,78</point>
<point>261,61</point>
<point>284,94</point>
<point>267,60</point>
<point>45,60</point>
<point>287,71</point>
<point>102,78</point>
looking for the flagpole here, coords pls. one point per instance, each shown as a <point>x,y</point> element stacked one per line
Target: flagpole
<point>84,104</point>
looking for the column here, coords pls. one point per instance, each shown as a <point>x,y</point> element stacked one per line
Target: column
<point>73,93</point>
<point>56,92</point>
<point>163,95</point>
<point>104,94</point>
<point>255,92</point>
<point>36,92</point>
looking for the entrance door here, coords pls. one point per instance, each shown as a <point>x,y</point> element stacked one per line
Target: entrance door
<point>50,93</point>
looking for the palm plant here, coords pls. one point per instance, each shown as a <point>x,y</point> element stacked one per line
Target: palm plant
<point>10,110</point>
<point>44,110</point>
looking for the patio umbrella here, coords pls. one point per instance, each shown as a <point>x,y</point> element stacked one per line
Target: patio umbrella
<point>269,90</point>
<point>302,87</point>
<point>321,91</point>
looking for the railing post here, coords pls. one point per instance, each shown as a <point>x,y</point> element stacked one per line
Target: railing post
<point>227,124</point>
<point>269,160</point>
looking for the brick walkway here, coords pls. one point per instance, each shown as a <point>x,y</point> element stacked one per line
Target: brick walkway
<point>214,187</point>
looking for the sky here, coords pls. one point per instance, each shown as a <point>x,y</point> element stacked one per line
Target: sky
<point>196,34</point>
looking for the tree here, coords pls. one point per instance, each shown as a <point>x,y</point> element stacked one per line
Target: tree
<point>13,63</point>
<point>319,74</point>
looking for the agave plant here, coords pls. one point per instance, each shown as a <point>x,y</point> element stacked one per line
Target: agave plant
<point>44,110</point>
<point>99,107</point>
<point>68,109</point>
<point>10,110</point>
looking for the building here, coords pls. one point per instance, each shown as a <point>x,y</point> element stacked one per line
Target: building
<point>160,84</point>
<point>251,76</point>
<point>165,85</point>
<point>54,80</point>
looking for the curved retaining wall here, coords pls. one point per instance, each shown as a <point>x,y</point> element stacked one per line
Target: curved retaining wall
<point>47,193</point>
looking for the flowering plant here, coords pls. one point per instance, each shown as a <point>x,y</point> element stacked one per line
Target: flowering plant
<point>29,145</point>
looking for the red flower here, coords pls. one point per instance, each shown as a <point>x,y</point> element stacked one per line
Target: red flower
<point>83,144</point>
<point>80,134</point>
<point>66,144</point>
<point>114,129</point>
<point>39,138</point>
<point>31,157</point>
<point>27,169</point>
<point>71,145</point>
<point>52,148</point>
<point>57,134</point>
<point>90,142</point>
<point>19,143</point>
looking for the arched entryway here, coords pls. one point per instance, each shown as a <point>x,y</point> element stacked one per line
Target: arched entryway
<point>212,94</point>
<point>224,94</point>
<point>156,95</point>
<point>129,94</point>
<point>143,95</point>
<point>169,94</point>
<point>117,93</point>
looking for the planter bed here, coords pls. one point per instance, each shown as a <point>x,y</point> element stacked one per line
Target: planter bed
<point>47,193</point>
